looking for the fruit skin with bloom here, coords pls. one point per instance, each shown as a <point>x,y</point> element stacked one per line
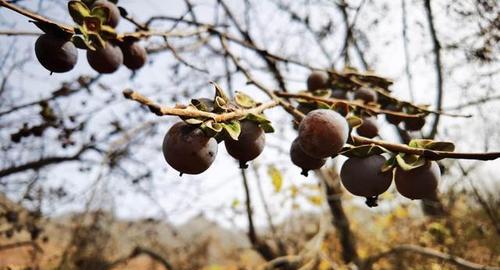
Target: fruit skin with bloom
<point>369,128</point>
<point>105,60</point>
<point>363,176</point>
<point>414,124</point>
<point>366,94</point>
<point>419,183</point>
<point>55,53</point>
<point>188,150</point>
<point>303,160</point>
<point>323,133</point>
<point>317,80</point>
<point>249,145</point>
<point>134,55</point>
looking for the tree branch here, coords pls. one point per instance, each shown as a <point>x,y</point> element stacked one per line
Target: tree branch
<point>438,67</point>
<point>193,113</point>
<point>427,252</point>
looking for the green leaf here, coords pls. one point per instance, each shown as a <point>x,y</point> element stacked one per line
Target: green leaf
<point>233,129</point>
<point>354,121</point>
<point>244,101</point>
<point>101,12</point>
<point>219,92</point>
<point>276,177</point>
<point>203,104</point>
<point>364,151</point>
<point>409,162</point>
<point>432,145</point>
<point>108,32</point>
<point>53,29</point>
<point>441,146</point>
<point>211,128</point>
<point>267,127</point>
<point>389,164</point>
<point>96,40</point>
<point>220,105</point>
<point>323,105</point>
<point>82,43</point>
<point>264,123</point>
<point>78,11</point>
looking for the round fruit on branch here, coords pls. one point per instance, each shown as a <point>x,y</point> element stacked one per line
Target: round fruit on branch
<point>363,176</point>
<point>414,124</point>
<point>134,55</point>
<point>419,183</point>
<point>249,145</point>
<point>323,133</point>
<point>188,150</point>
<point>369,128</point>
<point>317,80</point>
<point>303,160</point>
<point>55,53</point>
<point>105,60</point>
<point>366,94</point>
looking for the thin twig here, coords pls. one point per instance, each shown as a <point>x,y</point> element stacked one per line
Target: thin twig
<point>428,154</point>
<point>194,113</point>
<point>438,66</point>
<point>427,252</point>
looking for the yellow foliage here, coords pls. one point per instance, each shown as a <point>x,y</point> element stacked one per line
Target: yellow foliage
<point>276,177</point>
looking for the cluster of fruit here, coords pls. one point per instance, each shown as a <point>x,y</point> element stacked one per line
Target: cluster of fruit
<point>57,50</point>
<point>190,146</point>
<point>318,82</point>
<point>324,132</point>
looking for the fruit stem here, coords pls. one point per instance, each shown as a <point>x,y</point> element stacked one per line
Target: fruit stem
<point>243,164</point>
<point>372,201</point>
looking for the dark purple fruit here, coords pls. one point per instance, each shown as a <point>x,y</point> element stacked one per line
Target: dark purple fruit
<point>366,94</point>
<point>363,177</point>
<point>339,94</point>
<point>323,133</point>
<point>414,124</point>
<point>419,183</point>
<point>55,53</point>
<point>188,150</point>
<point>249,145</point>
<point>369,128</point>
<point>393,119</point>
<point>134,55</point>
<point>114,12</point>
<point>317,80</point>
<point>105,60</point>
<point>306,108</point>
<point>303,160</point>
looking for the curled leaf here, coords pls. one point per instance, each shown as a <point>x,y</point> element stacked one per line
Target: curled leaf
<point>203,104</point>
<point>78,10</point>
<point>354,121</point>
<point>264,123</point>
<point>211,128</point>
<point>233,129</point>
<point>82,43</point>
<point>364,151</point>
<point>101,12</point>
<point>219,92</point>
<point>244,101</point>
<point>432,145</point>
<point>410,162</point>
